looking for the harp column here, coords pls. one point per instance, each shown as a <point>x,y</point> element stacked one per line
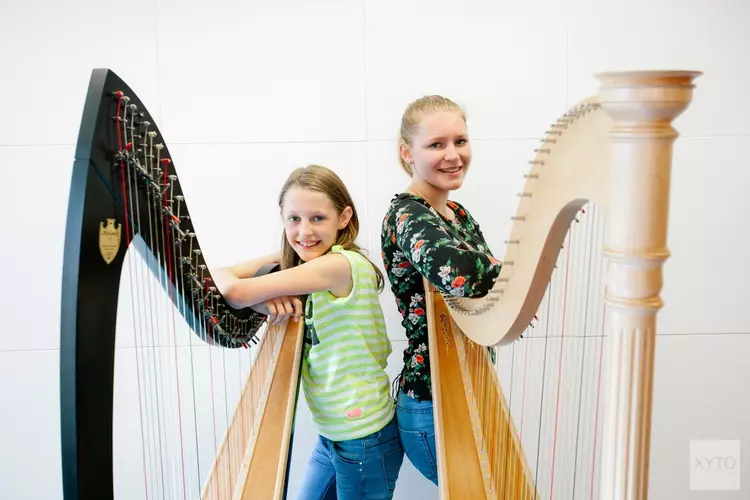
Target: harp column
<point>643,105</point>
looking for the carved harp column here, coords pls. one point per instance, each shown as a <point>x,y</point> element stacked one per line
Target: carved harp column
<point>565,410</point>
<point>643,106</point>
<point>131,247</point>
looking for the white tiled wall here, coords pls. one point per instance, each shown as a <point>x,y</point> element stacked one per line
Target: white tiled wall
<point>245,91</point>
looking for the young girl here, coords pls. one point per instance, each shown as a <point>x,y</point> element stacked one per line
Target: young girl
<point>425,234</point>
<point>358,453</point>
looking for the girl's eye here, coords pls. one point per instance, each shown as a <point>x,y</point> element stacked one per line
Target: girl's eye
<point>461,142</point>
<point>294,218</point>
<point>318,218</point>
<point>435,145</point>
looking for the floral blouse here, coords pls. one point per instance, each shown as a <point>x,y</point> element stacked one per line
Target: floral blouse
<point>418,241</point>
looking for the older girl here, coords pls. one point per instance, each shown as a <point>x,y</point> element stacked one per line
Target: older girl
<point>426,234</point>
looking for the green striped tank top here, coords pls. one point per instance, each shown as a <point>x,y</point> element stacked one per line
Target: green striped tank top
<point>346,350</point>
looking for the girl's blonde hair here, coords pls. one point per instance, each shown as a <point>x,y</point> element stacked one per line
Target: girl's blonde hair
<point>324,180</point>
<point>414,114</point>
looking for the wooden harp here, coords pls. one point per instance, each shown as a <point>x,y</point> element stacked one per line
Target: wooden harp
<point>565,410</point>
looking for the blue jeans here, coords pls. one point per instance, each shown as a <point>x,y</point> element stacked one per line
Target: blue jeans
<point>416,426</point>
<point>357,469</point>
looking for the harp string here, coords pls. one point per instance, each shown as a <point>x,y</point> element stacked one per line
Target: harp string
<point>553,281</point>
<point>167,374</point>
<point>168,244</point>
<point>584,257</point>
<point>161,371</point>
<point>191,347</point>
<point>155,301</point>
<point>568,252</point>
<point>169,319</point>
<point>154,378</point>
<point>555,460</point>
<point>136,305</point>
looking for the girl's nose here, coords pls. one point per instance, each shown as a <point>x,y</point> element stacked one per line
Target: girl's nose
<point>451,154</point>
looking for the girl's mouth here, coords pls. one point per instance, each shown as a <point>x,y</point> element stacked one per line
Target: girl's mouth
<point>451,170</point>
<point>308,244</point>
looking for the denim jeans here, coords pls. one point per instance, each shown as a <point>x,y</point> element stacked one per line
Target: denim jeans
<point>416,426</point>
<point>357,469</point>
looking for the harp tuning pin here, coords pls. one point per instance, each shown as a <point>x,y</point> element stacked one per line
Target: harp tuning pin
<point>172,177</point>
<point>179,197</point>
<point>126,99</point>
<point>166,161</point>
<point>133,107</point>
<point>152,134</point>
<point>159,146</point>
<point>197,252</point>
<point>145,122</point>
<point>118,93</point>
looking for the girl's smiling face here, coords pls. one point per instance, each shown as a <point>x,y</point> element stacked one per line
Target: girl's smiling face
<point>311,222</point>
<point>440,152</point>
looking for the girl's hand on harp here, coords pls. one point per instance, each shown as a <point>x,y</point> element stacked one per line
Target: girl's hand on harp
<point>280,309</point>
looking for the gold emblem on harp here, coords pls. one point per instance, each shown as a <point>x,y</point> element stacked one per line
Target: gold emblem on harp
<point>109,240</point>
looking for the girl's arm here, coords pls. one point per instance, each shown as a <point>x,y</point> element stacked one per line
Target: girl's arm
<point>250,268</point>
<point>330,272</point>
<point>278,308</point>
<point>438,256</point>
